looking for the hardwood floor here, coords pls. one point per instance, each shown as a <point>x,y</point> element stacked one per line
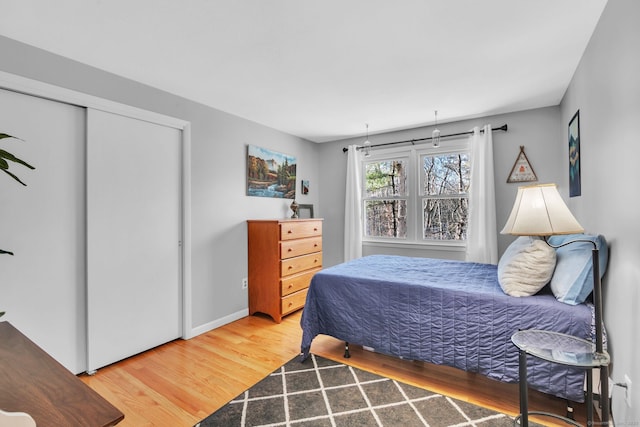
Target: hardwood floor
<point>180,383</point>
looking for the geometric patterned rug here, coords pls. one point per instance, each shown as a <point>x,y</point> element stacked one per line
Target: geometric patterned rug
<point>321,392</point>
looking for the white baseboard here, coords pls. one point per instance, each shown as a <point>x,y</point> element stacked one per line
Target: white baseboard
<point>217,323</point>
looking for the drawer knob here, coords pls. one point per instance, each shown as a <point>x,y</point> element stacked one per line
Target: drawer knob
<point>290,231</point>
<point>289,250</point>
<point>290,267</point>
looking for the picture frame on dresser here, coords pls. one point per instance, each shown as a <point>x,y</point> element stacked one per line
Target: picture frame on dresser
<point>305,211</point>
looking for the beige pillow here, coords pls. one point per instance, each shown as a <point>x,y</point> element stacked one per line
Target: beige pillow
<point>526,266</point>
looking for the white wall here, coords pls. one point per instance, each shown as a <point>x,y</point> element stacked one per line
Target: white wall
<point>606,90</point>
<point>219,204</point>
<point>537,130</point>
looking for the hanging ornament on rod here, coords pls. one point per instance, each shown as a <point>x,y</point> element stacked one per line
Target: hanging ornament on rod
<point>435,135</point>
<point>367,143</point>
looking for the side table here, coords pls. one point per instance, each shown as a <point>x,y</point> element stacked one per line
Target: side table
<point>32,381</point>
<point>557,348</point>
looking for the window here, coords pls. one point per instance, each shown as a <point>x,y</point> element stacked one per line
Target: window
<point>385,203</point>
<point>445,203</point>
<point>417,196</point>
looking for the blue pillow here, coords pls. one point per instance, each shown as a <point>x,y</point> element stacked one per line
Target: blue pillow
<point>572,280</point>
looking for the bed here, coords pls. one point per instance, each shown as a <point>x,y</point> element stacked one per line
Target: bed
<point>443,312</point>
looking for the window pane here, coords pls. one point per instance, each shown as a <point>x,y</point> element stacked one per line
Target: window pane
<point>385,179</point>
<point>385,218</point>
<point>447,174</point>
<point>445,219</point>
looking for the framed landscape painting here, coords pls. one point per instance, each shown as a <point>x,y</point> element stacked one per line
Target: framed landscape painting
<point>270,174</point>
<point>575,187</point>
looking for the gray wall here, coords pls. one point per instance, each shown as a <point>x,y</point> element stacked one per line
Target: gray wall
<point>606,90</point>
<point>220,207</point>
<point>537,130</point>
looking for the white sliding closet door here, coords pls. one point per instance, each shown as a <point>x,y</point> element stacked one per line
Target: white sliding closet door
<point>134,287</point>
<point>42,285</point>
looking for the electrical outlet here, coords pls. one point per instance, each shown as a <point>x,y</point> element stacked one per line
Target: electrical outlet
<point>627,392</point>
<point>245,283</point>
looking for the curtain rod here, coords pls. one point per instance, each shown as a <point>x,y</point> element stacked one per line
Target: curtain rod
<point>413,141</point>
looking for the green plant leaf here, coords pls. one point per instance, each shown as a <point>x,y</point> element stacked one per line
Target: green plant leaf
<point>11,157</point>
<point>4,166</point>
<point>4,135</point>
<point>6,157</point>
<point>13,176</point>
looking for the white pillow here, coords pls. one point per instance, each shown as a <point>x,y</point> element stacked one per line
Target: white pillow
<point>526,266</point>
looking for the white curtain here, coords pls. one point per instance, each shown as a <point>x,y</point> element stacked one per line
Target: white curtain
<point>482,237</point>
<point>352,206</point>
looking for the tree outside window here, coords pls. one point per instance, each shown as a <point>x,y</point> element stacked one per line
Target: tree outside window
<point>385,206</point>
<point>445,201</point>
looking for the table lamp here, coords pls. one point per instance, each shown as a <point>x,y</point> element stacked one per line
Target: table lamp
<point>540,211</point>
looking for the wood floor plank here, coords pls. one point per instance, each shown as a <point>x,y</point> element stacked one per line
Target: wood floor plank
<point>181,382</point>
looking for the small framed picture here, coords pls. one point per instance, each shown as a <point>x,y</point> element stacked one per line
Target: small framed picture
<point>575,186</point>
<point>305,186</point>
<point>305,211</point>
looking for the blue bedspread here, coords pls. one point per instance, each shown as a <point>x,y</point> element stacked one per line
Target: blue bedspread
<point>444,312</point>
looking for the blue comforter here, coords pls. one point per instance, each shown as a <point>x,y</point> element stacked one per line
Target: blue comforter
<point>444,312</point>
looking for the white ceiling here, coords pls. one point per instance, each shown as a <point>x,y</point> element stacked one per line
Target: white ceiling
<point>322,69</point>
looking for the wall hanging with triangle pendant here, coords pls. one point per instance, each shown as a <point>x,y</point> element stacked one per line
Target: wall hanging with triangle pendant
<point>522,170</point>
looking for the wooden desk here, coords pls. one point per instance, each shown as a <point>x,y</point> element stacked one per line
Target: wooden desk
<point>31,381</point>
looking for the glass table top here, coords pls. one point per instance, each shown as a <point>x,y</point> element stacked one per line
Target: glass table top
<point>560,348</point>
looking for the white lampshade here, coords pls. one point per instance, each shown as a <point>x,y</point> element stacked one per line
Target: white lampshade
<point>540,211</point>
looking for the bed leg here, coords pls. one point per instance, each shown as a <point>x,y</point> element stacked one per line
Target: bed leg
<point>346,350</point>
<point>570,410</point>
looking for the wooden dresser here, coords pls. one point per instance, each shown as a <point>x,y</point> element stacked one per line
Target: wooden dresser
<point>283,257</point>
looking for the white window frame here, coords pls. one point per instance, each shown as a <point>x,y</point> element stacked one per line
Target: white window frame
<point>412,156</point>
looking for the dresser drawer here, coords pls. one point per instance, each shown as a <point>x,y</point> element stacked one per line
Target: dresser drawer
<point>300,229</point>
<point>294,283</point>
<point>298,264</point>
<point>294,301</point>
<point>291,248</point>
